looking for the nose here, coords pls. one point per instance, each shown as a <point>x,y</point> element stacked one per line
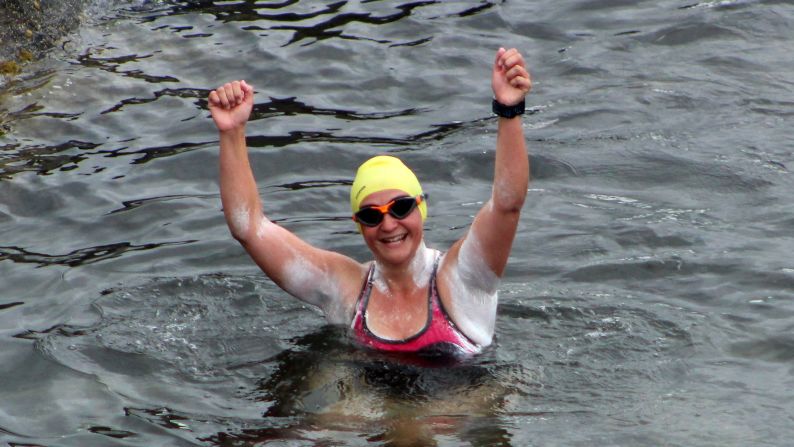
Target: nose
<point>389,223</point>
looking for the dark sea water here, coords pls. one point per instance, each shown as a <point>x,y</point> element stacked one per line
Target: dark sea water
<point>648,300</point>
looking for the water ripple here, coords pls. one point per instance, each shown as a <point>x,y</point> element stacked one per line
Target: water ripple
<point>42,159</point>
<point>776,348</point>
<point>10,305</point>
<point>152,153</point>
<point>59,330</point>
<point>189,93</point>
<point>325,30</point>
<point>690,33</point>
<point>111,432</point>
<point>129,205</point>
<point>290,107</point>
<point>81,256</point>
<point>112,65</point>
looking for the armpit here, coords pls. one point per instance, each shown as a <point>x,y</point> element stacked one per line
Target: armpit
<point>309,283</point>
<point>472,268</point>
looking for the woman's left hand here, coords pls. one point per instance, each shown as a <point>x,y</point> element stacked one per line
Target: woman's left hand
<point>510,79</point>
<point>231,104</point>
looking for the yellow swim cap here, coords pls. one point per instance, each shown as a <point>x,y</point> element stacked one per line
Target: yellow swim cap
<point>381,173</point>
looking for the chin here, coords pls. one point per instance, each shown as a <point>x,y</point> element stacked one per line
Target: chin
<point>400,254</point>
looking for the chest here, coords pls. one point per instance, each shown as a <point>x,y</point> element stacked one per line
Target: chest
<point>397,317</point>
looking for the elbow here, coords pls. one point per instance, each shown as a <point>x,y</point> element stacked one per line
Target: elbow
<point>242,237</point>
<point>508,194</point>
<point>510,208</point>
<point>241,224</point>
<point>508,202</point>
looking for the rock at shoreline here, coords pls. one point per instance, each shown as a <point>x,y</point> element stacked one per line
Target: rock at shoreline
<point>30,27</point>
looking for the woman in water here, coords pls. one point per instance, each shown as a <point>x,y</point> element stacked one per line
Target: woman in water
<point>410,298</point>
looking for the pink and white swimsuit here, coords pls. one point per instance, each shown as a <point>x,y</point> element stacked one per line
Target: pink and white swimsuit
<point>438,334</point>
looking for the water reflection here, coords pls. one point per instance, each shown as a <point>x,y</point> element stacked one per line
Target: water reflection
<point>324,383</point>
<point>225,340</point>
<point>204,339</point>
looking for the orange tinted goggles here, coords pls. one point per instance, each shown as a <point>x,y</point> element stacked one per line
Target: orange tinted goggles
<point>399,208</point>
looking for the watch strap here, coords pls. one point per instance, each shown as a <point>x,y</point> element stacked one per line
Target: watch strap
<point>508,111</point>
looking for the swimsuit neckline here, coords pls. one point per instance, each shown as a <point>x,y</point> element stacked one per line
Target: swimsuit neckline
<point>431,293</point>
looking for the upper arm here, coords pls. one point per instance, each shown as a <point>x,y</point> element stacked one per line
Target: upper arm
<point>470,272</point>
<point>323,278</point>
<point>487,244</point>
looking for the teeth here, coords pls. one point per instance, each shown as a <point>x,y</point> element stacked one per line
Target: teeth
<point>394,239</point>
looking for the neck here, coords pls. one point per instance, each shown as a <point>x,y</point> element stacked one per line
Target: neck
<point>405,278</point>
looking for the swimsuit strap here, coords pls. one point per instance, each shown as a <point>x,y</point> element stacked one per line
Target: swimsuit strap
<point>366,289</point>
<point>438,304</point>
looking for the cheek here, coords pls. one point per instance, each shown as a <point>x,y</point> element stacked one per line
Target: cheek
<point>416,222</point>
<point>368,234</point>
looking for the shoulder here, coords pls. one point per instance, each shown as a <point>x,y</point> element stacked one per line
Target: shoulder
<point>348,275</point>
<point>342,291</point>
<point>331,281</point>
<point>467,288</point>
<point>466,264</point>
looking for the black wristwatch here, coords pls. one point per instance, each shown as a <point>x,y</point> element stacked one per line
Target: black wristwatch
<point>508,111</point>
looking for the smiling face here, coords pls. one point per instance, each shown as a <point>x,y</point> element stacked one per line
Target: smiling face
<point>395,241</point>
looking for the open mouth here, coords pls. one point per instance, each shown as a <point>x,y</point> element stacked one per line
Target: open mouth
<point>394,239</point>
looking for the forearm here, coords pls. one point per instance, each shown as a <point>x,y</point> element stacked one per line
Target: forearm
<point>239,194</point>
<point>511,172</point>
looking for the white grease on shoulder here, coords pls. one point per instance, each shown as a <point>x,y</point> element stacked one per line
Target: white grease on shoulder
<point>379,281</point>
<point>240,220</point>
<point>304,279</point>
<point>472,266</point>
<point>422,265</point>
<point>309,283</point>
<point>474,293</point>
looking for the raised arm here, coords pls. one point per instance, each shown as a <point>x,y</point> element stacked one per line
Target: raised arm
<point>231,106</point>
<point>323,278</point>
<point>472,268</point>
<point>495,225</point>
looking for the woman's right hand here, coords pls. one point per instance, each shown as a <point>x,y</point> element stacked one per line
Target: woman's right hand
<point>231,104</point>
